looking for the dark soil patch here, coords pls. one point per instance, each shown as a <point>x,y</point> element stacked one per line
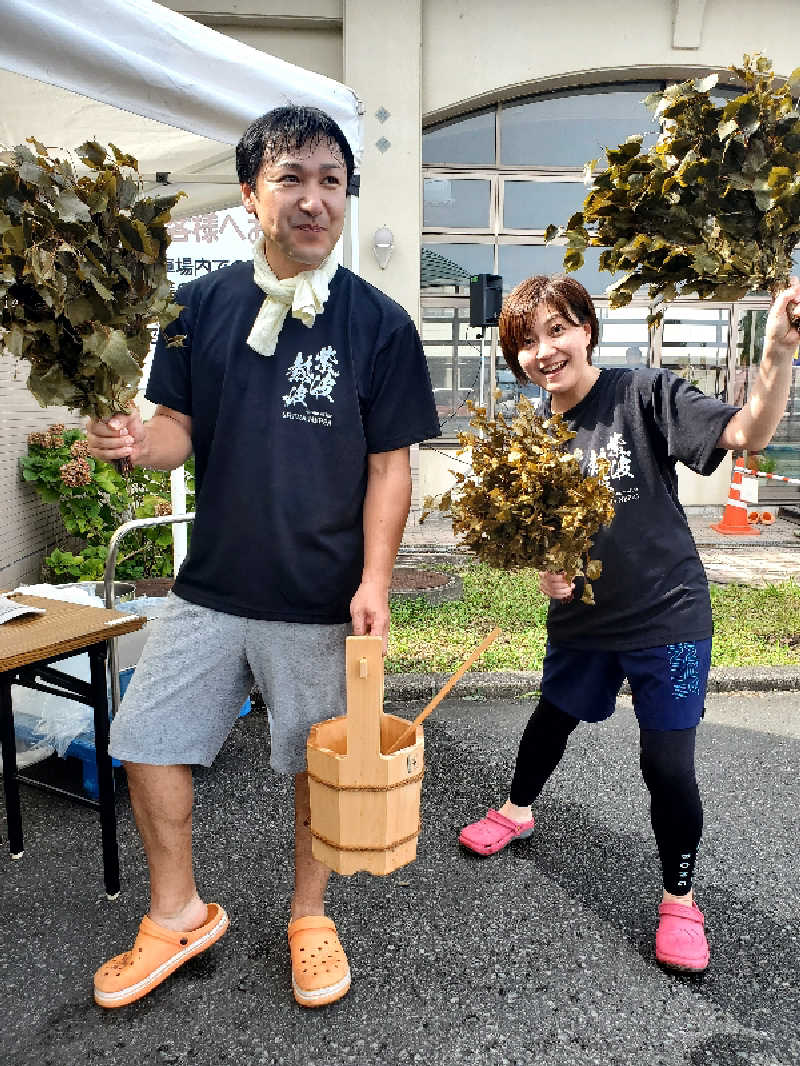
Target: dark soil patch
<point>407,578</point>
<point>154,586</point>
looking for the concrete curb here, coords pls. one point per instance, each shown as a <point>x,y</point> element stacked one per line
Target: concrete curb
<point>513,684</point>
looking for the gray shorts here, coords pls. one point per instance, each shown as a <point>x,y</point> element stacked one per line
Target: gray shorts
<point>196,671</point>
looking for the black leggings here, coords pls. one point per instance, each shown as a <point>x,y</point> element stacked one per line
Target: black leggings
<point>666,759</point>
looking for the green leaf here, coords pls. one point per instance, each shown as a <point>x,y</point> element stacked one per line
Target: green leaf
<point>106,480</point>
<point>53,388</point>
<point>79,311</point>
<point>100,289</point>
<point>31,173</point>
<point>123,159</point>
<point>779,179</point>
<point>114,353</point>
<point>14,240</point>
<point>70,208</point>
<point>14,341</point>
<point>134,235</point>
<point>573,259</point>
<point>92,153</point>
<point>127,193</point>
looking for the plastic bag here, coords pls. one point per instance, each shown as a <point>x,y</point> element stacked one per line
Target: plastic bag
<point>43,719</point>
<point>47,722</point>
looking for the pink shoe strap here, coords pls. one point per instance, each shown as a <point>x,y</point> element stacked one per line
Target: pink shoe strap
<point>508,823</point>
<point>680,910</point>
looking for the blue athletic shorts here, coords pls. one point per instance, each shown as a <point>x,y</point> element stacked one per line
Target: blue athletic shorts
<point>668,684</point>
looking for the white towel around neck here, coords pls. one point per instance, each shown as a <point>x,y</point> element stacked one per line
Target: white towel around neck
<point>305,294</point>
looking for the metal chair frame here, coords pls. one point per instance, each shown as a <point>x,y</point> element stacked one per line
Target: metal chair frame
<point>108,584</point>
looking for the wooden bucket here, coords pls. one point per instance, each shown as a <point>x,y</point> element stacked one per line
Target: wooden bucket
<point>364,804</point>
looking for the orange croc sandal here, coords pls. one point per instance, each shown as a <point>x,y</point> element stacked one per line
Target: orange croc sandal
<point>320,971</point>
<point>156,953</point>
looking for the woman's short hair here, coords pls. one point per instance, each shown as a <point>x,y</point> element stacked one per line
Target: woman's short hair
<point>565,295</point>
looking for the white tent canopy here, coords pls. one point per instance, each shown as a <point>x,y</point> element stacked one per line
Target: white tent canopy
<point>170,91</point>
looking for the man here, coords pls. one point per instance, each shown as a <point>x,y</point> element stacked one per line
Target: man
<point>299,388</point>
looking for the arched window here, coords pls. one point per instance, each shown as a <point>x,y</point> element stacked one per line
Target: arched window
<point>493,180</point>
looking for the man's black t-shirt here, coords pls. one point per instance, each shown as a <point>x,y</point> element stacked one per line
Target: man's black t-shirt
<point>653,589</point>
<point>281,443</point>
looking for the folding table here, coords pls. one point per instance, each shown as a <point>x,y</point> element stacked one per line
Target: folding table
<point>28,648</point>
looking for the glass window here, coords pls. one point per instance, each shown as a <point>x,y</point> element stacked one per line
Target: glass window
<point>568,129</point>
<point>520,261</point>
<point>468,140</point>
<point>453,264</point>
<point>695,345</point>
<point>453,350</point>
<point>624,337</point>
<point>456,202</point>
<point>721,95</point>
<point>783,450</point>
<point>537,204</point>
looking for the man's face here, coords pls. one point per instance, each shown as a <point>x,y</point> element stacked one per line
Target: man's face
<point>299,199</point>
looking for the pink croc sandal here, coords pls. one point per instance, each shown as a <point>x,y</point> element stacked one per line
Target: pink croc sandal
<point>492,833</point>
<point>680,938</point>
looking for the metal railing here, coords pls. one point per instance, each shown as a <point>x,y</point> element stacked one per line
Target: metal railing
<point>108,585</point>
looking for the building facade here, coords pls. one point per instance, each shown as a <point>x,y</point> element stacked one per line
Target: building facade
<point>479,119</point>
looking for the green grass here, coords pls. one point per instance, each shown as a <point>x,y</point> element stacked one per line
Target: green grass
<point>753,627</point>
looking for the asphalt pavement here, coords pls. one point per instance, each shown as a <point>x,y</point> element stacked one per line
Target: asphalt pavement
<point>541,955</point>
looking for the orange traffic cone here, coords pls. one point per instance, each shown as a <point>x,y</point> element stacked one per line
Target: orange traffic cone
<point>734,518</point>
<point>767,518</point>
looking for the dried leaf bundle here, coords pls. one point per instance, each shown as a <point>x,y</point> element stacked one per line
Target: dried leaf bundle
<point>82,274</point>
<point>712,208</point>
<point>525,501</point>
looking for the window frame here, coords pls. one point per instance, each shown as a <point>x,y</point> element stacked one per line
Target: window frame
<point>498,235</point>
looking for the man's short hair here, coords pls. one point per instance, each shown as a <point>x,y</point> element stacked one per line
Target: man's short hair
<point>286,129</point>
<point>565,295</point>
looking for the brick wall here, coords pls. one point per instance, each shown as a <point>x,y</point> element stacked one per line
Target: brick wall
<point>29,528</point>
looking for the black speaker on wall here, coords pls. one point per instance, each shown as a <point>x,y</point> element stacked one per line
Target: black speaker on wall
<point>485,299</point>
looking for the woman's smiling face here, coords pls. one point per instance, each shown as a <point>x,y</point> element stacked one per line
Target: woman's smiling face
<point>554,354</point>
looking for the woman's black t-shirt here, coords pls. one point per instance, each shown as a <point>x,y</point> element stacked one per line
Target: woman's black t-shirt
<point>653,589</point>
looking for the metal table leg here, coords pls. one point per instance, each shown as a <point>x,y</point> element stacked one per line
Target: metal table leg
<point>105,773</point>
<point>10,783</point>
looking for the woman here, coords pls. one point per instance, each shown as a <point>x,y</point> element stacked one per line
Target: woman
<point>651,621</point>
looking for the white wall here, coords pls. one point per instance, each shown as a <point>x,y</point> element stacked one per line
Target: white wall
<point>382,65</point>
<point>697,491</point>
<point>305,32</point>
<point>30,528</point>
<point>473,50</point>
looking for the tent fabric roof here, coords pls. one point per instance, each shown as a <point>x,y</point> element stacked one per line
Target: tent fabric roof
<point>164,88</point>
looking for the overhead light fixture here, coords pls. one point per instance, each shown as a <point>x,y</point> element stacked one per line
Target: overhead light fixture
<point>383,246</point>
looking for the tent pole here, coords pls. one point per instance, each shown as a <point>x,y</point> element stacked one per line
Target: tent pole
<point>177,485</point>
<point>351,245</point>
